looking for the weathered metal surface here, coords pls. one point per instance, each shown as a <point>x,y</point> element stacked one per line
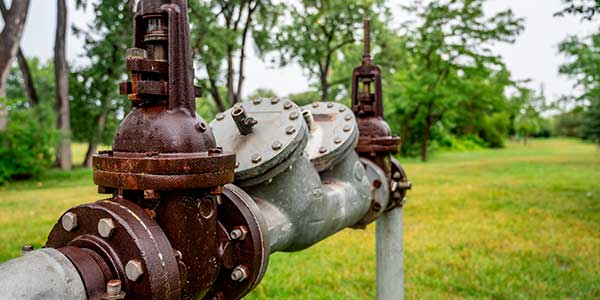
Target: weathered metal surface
<point>380,193</point>
<point>41,274</point>
<point>137,237</point>
<point>333,133</point>
<point>249,255</point>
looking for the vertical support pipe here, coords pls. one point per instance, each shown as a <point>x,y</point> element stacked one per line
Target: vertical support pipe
<point>390,252</point>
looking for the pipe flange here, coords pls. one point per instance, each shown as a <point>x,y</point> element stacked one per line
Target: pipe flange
<point>380,193</point>
<point>137,251</point>
<point>399,185</point>
<point>163,171</point>
<point>244,259</point>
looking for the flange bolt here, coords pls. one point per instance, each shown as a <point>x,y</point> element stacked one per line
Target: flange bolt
<point>240,273</point>
<point>69,221</point>
<point>113,290</point>
<point>134,269</point>
<point>106,227</point>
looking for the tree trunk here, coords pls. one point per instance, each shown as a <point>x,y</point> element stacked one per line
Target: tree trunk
<point>10,37</point>
<point>93,142</point>
<point>230,75</point>
<point>61,73</point>
<point>27,78</point>
<point>324,86</point>
<point>427,132</point>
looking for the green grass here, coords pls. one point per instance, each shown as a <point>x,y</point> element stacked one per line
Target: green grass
<point>517,223</point>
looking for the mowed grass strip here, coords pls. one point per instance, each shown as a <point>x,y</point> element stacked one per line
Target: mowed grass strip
<point>516,223</point>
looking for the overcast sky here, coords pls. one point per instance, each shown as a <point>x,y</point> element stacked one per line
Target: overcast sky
<point>534,56</point>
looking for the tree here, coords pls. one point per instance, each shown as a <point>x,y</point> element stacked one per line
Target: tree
<point>27,78</point>
<point>97,104</point>
<point>221,31</point>
<point>583,66</point>
<point>587,9</point>
<point>10,37</point>
<point>448,67</point>
<point>314,32</point>
<point>61,71</point>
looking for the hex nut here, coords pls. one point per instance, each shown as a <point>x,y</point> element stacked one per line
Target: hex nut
<point>106,227</point>
<point>69,221</point>
<point>134,269</point>
<point>330,105</point>
<point>322,149</point>
<point>315,104</point>
<point>220,116</point>
<point>256,158</point>
<point>276,145</point>
<point>347,128</point>
<point>239,233</point>
<point>294,115</point>
<point>290,130</point>
<point>337,140</point>
<point>257,101</point>
<point>274,100</point>
<point>287,105</point>
<point>240,273</point>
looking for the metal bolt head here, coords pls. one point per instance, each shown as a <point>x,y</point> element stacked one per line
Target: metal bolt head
<point>257,101</point>
<point>348,117</point>
<point>287,105</point>
<point>396,175</point>
<point>240,273</point>
<point>290,130</point>
<point>69,221</point>
<point>106,227</point>
<point>256,158</point>
<point>342,109</point>
<point>294,115</point>
<point>315,104</point>
<point>347,128</point>
<point>330,105</point>
<point>220,116</point>
<point>113,287</point>
<point>337,140</point>
<point>276,145</point>
<point>322,149</point>
<point>134,269</point>
<point>26,249</point>
<point>274,100</point>
<point>239,233</point>
<point>237,164</point>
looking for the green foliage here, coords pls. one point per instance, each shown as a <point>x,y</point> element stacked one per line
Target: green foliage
<point>27,143</point>
<point>304,98</point>
<point>447,78</point>
<point>96,106</point>
<point>26,146</point>
<point>583,66</point>
<point>587,9</point>
<point>262,93</point>
<point>313,33</point>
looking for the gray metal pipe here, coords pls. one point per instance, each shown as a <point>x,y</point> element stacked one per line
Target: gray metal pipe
<point>44,274</point>
<point>390,252</point>
<point>302,207</point>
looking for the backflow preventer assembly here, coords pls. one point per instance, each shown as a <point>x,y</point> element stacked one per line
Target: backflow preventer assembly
<point>196,209</point>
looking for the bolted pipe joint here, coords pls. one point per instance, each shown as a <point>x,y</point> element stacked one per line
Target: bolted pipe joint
<point>243,122</point>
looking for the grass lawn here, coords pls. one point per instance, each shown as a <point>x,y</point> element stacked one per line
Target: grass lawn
<point>517,223</point>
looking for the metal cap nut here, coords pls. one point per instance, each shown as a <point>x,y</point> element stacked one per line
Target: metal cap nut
<point>106,227</point>
<point>134,269</point>
<point>69,221</point>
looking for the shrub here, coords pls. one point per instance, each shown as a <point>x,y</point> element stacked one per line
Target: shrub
<point>26,145</point>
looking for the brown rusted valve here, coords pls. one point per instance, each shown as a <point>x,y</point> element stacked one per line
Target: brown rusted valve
<point>376,142</point>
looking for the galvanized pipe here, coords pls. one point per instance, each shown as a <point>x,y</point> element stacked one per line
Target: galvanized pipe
<point>390,255</point>
<point>41,275</point>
